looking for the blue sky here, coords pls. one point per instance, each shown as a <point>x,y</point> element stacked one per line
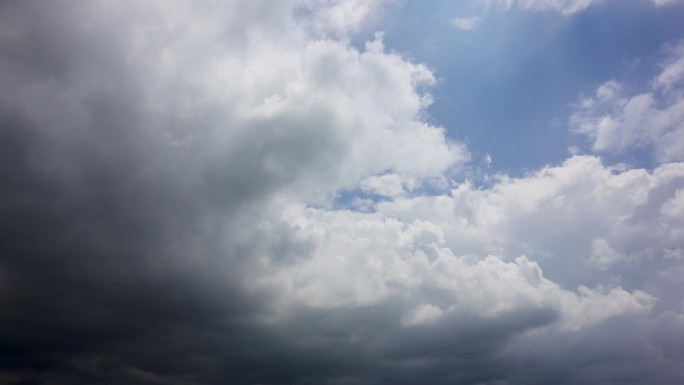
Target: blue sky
<point>342,192</point>
<point>507,86</point>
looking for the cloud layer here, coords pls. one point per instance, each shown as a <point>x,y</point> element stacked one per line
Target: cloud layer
<point>234,193</point>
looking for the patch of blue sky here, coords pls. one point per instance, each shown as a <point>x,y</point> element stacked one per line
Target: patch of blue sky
<point>356,200</point>
<point>507,87</point>
<point>361,199</point>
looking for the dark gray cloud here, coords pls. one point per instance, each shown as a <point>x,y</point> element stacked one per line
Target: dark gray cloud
<point>167,173</point>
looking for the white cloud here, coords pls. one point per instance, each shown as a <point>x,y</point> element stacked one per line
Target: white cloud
<point>557,214</point>
<point>602,254</point>
<point>567,7</point>
<point>565,216</point>
<point>616,122</point>
<point>341,17</point>
<point>392,260</point>
<point>466,23</point>
<point>660,3</point>
<point>672,74</point>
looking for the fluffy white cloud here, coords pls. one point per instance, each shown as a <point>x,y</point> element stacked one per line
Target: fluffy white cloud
<point>615,122</point>
<point>578,216</point>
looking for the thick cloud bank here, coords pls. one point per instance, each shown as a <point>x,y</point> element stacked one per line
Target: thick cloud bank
<point>232,193</point>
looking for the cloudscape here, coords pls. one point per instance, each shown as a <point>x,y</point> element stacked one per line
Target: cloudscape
<point>342,192</point>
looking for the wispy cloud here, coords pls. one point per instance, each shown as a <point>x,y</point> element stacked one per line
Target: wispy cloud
<point>466,24</point>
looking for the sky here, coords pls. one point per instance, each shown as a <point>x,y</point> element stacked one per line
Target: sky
<point>342,192</point>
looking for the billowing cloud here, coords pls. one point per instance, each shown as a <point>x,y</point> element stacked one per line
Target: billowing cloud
<point>232,192</point>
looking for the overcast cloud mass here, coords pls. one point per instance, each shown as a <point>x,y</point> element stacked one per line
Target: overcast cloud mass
<point>262,192</point>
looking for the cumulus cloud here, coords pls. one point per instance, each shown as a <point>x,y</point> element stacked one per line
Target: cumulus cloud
<point>615,121</point>
<point>576,218</point>
<point>173,212</point>
<point>401,259</point>
<point>340,17</point>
